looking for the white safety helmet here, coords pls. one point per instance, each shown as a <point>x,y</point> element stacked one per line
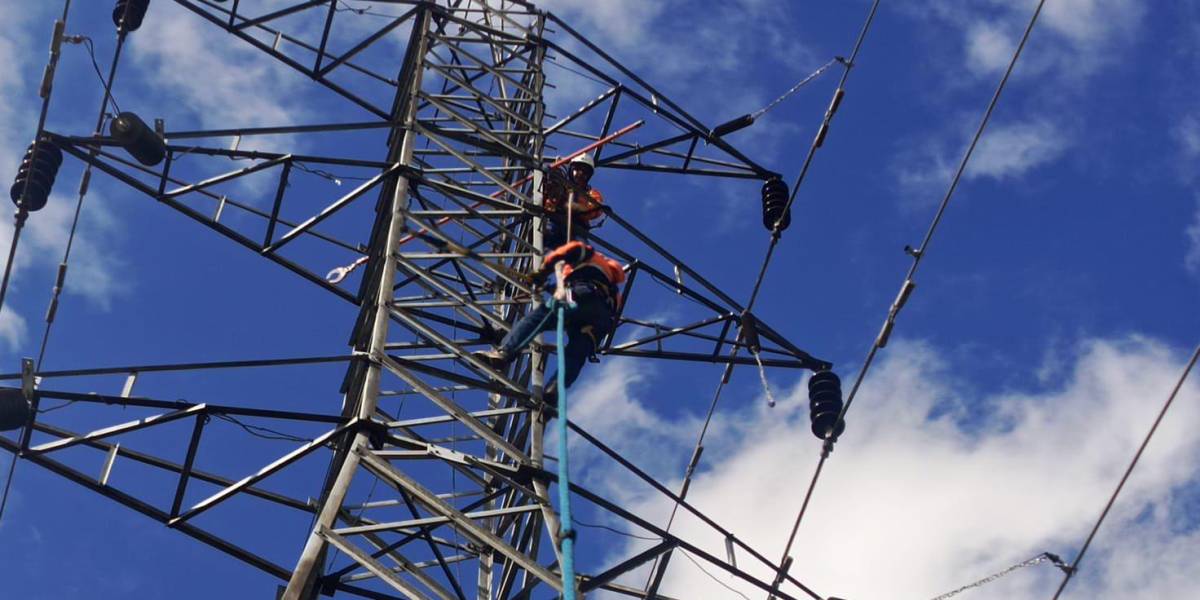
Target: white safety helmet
<point>586,160</point>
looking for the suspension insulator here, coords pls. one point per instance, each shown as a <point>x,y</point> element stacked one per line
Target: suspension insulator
<point>825,403</point>
<point>14,409</point>
<point>138,139</point>
<point>128,14</point>
<point>36,175</point>
<point>775,199</point>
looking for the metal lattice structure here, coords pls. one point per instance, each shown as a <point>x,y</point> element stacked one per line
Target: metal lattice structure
<point>444,247</point>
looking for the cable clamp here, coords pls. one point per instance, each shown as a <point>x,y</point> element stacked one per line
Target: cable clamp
<point>1059,562</point>
<point>28,380</point>
<point>568,533</point>
<point>374,359</point>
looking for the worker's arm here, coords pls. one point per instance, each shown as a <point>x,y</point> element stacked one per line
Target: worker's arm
<point>561,289</point>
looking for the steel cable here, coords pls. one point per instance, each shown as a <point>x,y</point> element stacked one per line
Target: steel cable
<point>907,285</point>
<point>1136,457</point>
<point>847,64</point>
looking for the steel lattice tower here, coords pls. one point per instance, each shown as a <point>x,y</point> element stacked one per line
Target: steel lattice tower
<point>443,251</point>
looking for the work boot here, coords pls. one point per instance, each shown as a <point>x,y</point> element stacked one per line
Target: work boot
<point>495,358</point>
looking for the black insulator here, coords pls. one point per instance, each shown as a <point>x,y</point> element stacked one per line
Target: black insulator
<point>737,124</point>
<point>36,175</point>
<point>775,199</point>
<point>825,403</point>
<point>14,409</point>
<point>128,14</point>
<point>138,139</point>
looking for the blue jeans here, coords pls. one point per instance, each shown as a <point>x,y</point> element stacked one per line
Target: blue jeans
<point>591,310</point>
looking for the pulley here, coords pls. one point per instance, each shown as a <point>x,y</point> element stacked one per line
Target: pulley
<point>138,139</point>
<point>825,404</point>
<point>14,409</point>
<point>127,15</point>
<point>774,200</point>
<point>35,177</point>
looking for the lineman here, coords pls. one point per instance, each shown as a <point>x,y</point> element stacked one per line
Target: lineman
<point>586,209</point>
<point>593,281</point>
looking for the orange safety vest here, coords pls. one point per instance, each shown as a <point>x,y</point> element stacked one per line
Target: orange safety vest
<point>579,257</point>
<point>592,201</point>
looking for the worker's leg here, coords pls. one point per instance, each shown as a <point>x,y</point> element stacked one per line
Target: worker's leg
<point>575,354</point>
<point>586,324</point>
<point>555,232</point>
<point>538,320</point>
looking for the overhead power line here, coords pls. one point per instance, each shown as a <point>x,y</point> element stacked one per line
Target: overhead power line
<point>908,284</point>
<point>1120,485</point>
<point>656,572</point>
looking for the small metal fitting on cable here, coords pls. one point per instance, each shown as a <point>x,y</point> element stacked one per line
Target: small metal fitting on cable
<point>56,41</point>
<point>906,290</point>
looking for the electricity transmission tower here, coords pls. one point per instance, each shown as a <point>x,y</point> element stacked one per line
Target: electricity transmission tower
<point>431,481</point>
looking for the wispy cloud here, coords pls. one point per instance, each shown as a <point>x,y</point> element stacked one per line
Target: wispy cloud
<point>93,267</point>
<point>1192,259</point>
<point>1012,149</point>
<point>688,53</point>
<point>1008,151</point>
<point>1074,41</point>
<point>1186,134</point>
<point>1075,38</point>
<point>12,328</point>
<point>925,504</point>
<point>199,73</point>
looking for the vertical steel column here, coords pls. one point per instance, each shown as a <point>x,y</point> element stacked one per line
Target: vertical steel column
<point>533,140</point>
<point>309,567</point>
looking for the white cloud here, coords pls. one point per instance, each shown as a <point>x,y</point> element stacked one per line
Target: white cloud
<point>989,48</point>
<point>625,23</point>
<point>1010,150</point>
<point>924,505</point>
<point>220,80</point>
<point>93,268</point>
<point>605,402</point>
<point>1006,151</point>
<point>12,328</point>
<point>1192,259</point>
<point>687,53</point>
<point>1073,38</point>
<point>922,171</point>
<point>15,53</point>
<point>1072,43</point>
<point>1187,133</point>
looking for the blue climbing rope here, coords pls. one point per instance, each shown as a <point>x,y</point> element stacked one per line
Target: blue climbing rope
<point>566,529</point>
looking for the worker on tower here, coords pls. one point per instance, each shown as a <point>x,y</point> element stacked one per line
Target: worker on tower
<point>589,283</point>
<point>571,189</point>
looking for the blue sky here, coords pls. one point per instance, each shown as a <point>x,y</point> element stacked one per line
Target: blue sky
<point>1054,310</point>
